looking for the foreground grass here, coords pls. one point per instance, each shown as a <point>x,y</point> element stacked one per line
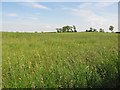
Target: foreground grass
<point>52,60</point>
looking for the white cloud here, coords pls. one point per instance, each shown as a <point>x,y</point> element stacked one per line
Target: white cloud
<point>33,18</point>
<point>96,5</point>
<point>84,5</point>
<point>11,15</point>
<point>89,16</point>
<point>48,26</point>
<point>88,12</point>
<point>28,27</point>
<point>102,5</point>
<point>39,6</point>
<point>35,5</point>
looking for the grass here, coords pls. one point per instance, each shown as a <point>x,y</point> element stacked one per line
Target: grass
<point>60,60</point>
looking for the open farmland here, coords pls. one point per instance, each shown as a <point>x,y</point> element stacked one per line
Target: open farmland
<point>60,60</point>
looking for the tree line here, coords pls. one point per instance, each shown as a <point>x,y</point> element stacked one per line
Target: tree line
<point>100,30</point>
<point>73,29</point>
<point>67,29</point>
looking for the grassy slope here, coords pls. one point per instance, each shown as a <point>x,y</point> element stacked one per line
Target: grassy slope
<point>60,59</point>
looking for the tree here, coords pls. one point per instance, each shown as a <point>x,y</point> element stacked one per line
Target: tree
<point>58,29</point>
<point>111,28</point>
<point>90,29</point>
<point>61,30</point>
<point>64,29</point>
<point>71,29</point>
<point>87,30</point>
<point>101,30</point>
<point>74,28</point>
<point>67,29</point>
<point>94,30</point>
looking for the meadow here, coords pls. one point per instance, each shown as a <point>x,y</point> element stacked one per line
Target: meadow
<point>60,60</point>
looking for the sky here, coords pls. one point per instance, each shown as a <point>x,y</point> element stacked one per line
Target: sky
<point>47,16</point>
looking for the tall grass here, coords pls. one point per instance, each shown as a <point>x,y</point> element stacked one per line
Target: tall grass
<point>60,60</point>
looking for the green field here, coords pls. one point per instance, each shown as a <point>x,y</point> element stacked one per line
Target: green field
<point>60,60</point>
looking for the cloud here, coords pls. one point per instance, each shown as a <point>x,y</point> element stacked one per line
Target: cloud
<point>11,15</point>
<point>35,5</point>
<point>89,16</point>
<point>33,18</point>
<point>39,6</point>
<point>96,14</point>
<point>96,5</point>
<point>84,5</point>
<point>22,27</point>
<point>48,26</point>
<point>103,5</point>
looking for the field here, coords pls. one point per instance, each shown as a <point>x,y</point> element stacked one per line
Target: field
<point>60,60</point>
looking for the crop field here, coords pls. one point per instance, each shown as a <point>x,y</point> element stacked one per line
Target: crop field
<point>60,60</point>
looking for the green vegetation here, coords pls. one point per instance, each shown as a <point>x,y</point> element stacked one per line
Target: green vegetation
<point>57,60</point>
<point>67,29</point>
<point>95,30</point>
<point>111,28</point>
<point>101,30</point>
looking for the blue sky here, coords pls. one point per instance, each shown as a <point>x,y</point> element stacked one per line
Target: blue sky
<point>46,16</point>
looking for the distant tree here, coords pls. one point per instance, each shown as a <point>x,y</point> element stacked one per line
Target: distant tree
<point>58,30</point>
<point>87,30</point>
<point>64,29</point>
<point>61,30</point>
<point>90,29</point>
<point>101,30</point>
<point>94,30</point>
<point>67,29</point>
<point>111,28</point>
<point>74,28</point>
<point>71,29</point>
